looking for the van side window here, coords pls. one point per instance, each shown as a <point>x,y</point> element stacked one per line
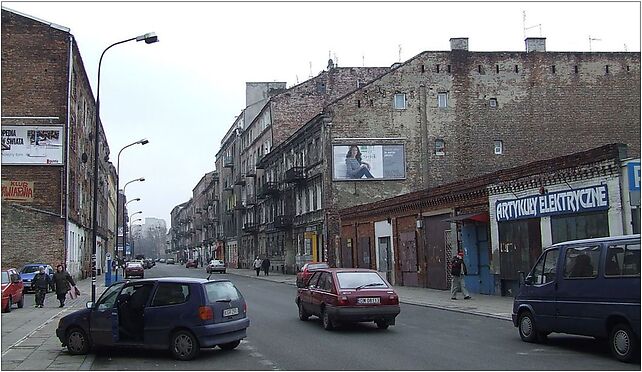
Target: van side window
<point>545,270</point>
<point>622,260</point>
<point>581,262</point>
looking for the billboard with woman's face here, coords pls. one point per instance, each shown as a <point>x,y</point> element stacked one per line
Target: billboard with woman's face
<point>364,162</point>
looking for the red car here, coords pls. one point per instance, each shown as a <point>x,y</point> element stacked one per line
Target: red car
<point>348,296</point>
<point>307,270</point>
<point>191,263</point>
<point>12,290</point>
<point>134,269</point>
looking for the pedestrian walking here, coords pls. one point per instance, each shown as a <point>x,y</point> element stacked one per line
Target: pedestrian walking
<point>458,270</point>
<point>265,264</point>
<point>257,265</point>
<point>63,283</point>
<point>40,283</point>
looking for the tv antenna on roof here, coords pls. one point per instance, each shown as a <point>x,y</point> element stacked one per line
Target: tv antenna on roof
<point>399,53</point>
<point>591,39</point>
<point>310,69</point>
<point>529,27</point>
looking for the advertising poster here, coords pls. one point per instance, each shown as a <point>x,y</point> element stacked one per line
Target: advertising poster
<point>33,145</point>
<point>18,191</point>
<point>364,162</point>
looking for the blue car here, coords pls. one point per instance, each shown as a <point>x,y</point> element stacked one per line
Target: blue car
<point>179,314</point>
<point>28,271</point>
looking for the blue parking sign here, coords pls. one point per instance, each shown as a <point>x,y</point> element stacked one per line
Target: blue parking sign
<point>634,176</point>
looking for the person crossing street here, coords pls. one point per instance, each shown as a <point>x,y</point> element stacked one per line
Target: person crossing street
<point>41,282</point>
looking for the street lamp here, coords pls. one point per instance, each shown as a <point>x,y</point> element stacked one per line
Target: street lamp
<point>141,179</point>
<point>148,39</point>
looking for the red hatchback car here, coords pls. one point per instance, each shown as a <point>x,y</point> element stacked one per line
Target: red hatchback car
<point>307,270</point>
<point>348,296</point>
<point>12,290</point>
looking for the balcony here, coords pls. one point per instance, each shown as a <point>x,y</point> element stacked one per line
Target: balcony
<point>228,162</point>
<point>240,180</point>
<point>250,201</point>
<point>239,206</point>
<point>282,222</point>
<point>251,227</point>
<point>268,188</point>
<point>250,172</point>
<point>258,162</point>
<point>295,174</point>
<point>228,187</point>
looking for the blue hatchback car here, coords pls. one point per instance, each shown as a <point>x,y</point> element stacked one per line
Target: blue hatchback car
<point>179,314</point>
<point>28,271</point>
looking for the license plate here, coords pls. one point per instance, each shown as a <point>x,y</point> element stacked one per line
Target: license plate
<point>368,300</point>
<point>231,311</point>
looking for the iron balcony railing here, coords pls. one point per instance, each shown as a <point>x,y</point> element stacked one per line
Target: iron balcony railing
<point>295,174</point>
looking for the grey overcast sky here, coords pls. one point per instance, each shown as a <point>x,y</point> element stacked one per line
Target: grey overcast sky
<point>184,92</point>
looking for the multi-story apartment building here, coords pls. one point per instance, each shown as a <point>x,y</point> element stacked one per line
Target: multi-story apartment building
<point>48,121</point>
<point>439,118</point>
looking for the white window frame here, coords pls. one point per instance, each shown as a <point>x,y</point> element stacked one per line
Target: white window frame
<point>492,103</point>
<point>498,147</point>
<point>443,95</point>
<point>440,151</point>
<point>403,96</point>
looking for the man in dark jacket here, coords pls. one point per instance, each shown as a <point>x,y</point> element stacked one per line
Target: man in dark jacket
<point>62,283</point>
<point>41,281</point>
<point>265,264</point>
<point>458,270</point>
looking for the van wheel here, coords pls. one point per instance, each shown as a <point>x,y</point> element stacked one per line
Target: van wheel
<point>230,345</point>
<point>77,342</point>
<point>527,330</point>
<point>184,346</point>
<point>623,342</point>
<point>303,315</point>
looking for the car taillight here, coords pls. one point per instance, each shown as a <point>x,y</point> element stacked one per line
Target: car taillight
<point>205,313</point>
<point>245,307</point>
<point>393,299</point>
<point>343,300</point>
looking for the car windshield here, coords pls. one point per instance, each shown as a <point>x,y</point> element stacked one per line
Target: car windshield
<point>5,277</point>
<point>360,280</point>
<point>318,266</point>
<point>29,269</point>
<point>217,291</point>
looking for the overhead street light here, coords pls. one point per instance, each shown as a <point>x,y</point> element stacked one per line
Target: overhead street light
<point>148,38</point>
<point>141,179</point>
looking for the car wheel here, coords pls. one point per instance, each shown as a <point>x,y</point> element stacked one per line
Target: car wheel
<point>230,345</point>
<point>623,342</point>
<point>382,324</point>
<point>21,303</point>
<point>184,346</point>
<point>527,329</point>
<point>9,304</point>
<point>303,315</point>
<point>77,341</point>
<point>326,321</point>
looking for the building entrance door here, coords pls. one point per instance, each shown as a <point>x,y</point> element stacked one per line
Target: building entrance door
<point>384,265</point>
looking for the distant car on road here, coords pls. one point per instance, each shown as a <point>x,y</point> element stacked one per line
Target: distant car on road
<point>12,290</point>
<point>179,314</point>
<point>348,296</point>
<point>161,260</point>
<point>28,271</point>
<point>170,261</point>
<point>307,270</point>
<point>191,263</point>
<point>215,266</point>
<point>134,269</point>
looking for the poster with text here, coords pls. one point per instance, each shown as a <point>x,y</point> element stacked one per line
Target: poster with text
<point>368,162</point>
<point>24,144</point>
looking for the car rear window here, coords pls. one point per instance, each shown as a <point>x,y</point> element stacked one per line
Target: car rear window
<point>360,279</point>
<point>5,277</point>
<point>221,291</point>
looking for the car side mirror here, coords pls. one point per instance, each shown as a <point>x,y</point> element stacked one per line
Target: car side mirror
<point>522,280</point>
<point>89,304</point>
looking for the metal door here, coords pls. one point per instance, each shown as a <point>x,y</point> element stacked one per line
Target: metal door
<point>363,252</point>
<point>408,259</point>
<point>385,261</point>
<point>346,253</point>
<point>436,230</point>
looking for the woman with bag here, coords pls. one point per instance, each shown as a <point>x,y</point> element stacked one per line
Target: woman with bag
<point>63,283</point>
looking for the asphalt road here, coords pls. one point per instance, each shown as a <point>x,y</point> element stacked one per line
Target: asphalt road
<point>422,339</point>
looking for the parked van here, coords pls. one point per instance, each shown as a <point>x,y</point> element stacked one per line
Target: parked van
<point>585,287</point>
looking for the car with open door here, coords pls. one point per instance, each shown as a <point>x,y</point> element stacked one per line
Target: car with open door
<point>179,314</point>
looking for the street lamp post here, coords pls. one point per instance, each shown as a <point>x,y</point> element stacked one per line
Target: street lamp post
<point>130,225</point>
<point>148,38</point>
<point>125,230</point>
<point>124,215</point>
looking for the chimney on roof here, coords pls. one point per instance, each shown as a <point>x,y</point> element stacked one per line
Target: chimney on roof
<point>535,44</point>
<point>459,43</point>
<point>330,64</point>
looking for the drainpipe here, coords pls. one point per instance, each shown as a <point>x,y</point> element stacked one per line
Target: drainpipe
<point>69,87</point>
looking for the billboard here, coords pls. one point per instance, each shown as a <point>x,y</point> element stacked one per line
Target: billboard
<point>32,145</point>
<point>19,191</point>
<point>364,162</point>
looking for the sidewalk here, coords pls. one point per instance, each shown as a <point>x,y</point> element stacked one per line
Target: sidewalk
<point>41,349</point>
<point>484,305</point>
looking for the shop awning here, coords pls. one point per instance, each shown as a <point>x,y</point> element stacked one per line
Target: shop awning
<point>477,217</point>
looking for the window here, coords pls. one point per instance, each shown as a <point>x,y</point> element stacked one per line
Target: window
<point>442,100</point>
<point>581,262</point>
<point>499,147</point>
<point>170,294</point>
<point>221,291</point>
<point>492,102</point>
<point>545,270</point>
<point>440,147</point>
<point>108,299</point>
<point>400,101</point>
<point>579,226</point>
<point>622,260</point>
<point>357,279</point>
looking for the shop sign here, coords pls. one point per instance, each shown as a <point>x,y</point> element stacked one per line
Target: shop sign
<point>588,199</point>
<point>19,191</point>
